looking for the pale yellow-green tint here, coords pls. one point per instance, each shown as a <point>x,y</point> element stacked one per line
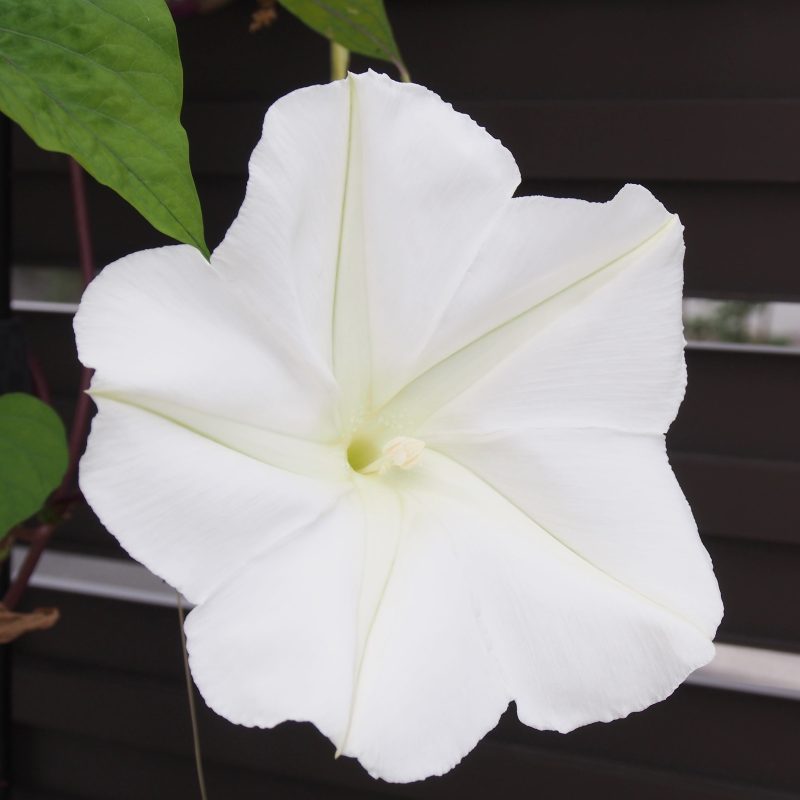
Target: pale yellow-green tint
<point>362,452</point>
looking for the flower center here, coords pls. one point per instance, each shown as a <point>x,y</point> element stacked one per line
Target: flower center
<point>366,456</point>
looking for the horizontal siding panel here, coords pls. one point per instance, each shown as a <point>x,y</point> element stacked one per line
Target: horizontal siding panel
<point>742,498</point>
<point>590,49</point>
<point>740,237</point>
<point>761,592</point>
<point>97,769</point>
<point>98,633</point>
<point>513,50</point>
<point>129,774</point>
<point>126,657</point>
<point>149,719</point>
<point>696,731</point>
<point>740,403</point>
<point>719,140</point>
<point>675,140</point>
<point>117,229</point>
<point>28,794</point>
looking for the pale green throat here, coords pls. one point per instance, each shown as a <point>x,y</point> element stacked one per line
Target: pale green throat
<point>367,456</point>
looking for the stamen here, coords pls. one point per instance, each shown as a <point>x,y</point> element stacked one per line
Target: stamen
<point>402,451</point>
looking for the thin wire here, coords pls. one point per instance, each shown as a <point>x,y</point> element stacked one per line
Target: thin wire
<point>198,758</point>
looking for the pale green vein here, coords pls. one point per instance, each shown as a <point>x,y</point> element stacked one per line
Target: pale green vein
<point>362,656</point>
<point>285,452</point>
<point>582,558</point>
<point>475,359</point>
<point>342,215</point>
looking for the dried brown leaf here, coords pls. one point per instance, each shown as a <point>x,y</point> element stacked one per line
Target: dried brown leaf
<point>14,624</point>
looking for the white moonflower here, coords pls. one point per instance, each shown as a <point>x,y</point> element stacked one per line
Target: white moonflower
<point>403,441</point>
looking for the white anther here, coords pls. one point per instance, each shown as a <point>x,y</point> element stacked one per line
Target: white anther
<point>402,451</point>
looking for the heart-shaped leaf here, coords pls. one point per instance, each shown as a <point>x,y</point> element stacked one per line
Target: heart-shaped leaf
<point>33,457</point>
<point>102,81</point>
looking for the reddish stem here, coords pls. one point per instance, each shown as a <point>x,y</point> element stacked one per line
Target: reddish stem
<point>41,388</point>
<point>64,498</point>
<point>82,226</point>
<point>39,538</point>
<point>77,435</point>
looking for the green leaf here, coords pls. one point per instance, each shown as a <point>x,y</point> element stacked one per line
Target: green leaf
<point>102,81</point>
<point>359,25</point>
<point>33,457</point>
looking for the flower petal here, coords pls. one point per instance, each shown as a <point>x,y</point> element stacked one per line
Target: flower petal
<point>474,603</point>
<point>191,510</point>
<point>538,247</point>
<point>159,326</point>
<point>367,201</point>
<point>459,593</point>
<point>280,254</point>
<point>426,686</point>
<point>279,642</point>
<point>342,241</point>
<point>598,341</point>
<point>573,644</point>
<point>362,631</point>
<point>611,498</point>
<point>424,186</point>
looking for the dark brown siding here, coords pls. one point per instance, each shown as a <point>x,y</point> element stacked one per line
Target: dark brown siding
<point>105,688</point>
<point>698,100</point>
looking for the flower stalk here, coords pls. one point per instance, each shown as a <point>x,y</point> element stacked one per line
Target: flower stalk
<point>340,61</point>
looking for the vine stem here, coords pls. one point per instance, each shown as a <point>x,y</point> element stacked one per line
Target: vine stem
<point>82,225</point>
<point>198,758</point>
<point>83,406</point>
<point>37,542</point>
<point>64,497</point>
